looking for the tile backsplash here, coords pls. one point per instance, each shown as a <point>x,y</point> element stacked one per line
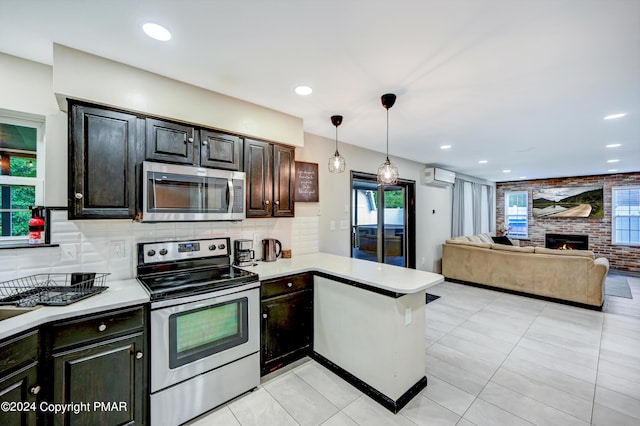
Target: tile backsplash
<point>111,245</point>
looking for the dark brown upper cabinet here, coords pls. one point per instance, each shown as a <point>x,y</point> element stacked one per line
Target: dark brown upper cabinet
<point>220,151</point>
<point>171,142</point>
<point>102,159</point>
<point>270,170</point>
<point>180,143</point>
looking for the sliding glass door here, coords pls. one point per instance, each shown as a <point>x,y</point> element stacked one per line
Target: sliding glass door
<point>382,220</point>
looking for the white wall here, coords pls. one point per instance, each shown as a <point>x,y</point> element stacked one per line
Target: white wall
<point>27,87</point>
<point>81,75</point>
<point>432,228</point>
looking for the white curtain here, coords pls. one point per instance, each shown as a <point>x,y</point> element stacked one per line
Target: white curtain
<point>473,207</point>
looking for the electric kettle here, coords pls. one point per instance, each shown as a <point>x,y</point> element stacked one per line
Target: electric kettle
<point>269,251</point>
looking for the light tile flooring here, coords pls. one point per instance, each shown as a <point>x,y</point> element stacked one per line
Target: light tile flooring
<point>491,359</point>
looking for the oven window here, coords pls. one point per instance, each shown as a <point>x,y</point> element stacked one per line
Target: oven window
<point>202,332</point>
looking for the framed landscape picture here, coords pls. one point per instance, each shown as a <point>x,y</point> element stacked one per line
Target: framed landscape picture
<point>584,201</point>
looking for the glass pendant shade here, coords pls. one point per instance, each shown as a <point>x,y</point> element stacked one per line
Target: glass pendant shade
<point>388,172</point>
<point>337,163</point>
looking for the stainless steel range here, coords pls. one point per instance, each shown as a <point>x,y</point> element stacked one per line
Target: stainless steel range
<point>204,327</point>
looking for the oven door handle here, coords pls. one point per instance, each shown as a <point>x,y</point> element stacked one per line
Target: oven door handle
<point>230,195</point>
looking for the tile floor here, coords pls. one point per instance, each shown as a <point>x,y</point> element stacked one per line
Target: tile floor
<point>491,359</point>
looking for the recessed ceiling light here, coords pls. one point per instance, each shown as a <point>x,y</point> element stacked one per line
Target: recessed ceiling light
<point>612,170</point>
<point>483,162</point>
<point>445,147</point>
<point>613,145</point>
<point>522,177</point>
<point>612,161</point>
<point>156,31</point>
<point>614,116</point>
<point>506,171</point>
<point>303,90</point>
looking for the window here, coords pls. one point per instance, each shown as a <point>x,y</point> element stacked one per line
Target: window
<point>625,207</point>
<point>516,214</point>
<point>20,186</point>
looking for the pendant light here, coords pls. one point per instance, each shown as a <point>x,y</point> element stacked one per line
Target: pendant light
<point>336,163</point>
<point>388,172</point>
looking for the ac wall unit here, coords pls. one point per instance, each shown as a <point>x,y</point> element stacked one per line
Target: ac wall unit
<point>434,176</point>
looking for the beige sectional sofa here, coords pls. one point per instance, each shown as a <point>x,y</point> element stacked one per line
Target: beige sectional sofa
<point>575,276</point>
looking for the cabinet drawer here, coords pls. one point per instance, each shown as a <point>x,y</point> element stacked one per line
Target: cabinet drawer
<point>18,351</point>
<point>278,286</point>
<point>98,327</point>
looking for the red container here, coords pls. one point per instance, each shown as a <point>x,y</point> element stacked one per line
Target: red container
<point>36,227</point>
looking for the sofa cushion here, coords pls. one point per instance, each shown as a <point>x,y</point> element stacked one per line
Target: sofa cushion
<point>582,253</point>
<point>503,239</point>
<point>475,239</point>
<point>486,238</point>
<point>512,248</point>
<point>456,241</point>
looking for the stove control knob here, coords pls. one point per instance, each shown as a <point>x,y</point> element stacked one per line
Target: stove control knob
<point>163,252</point>
<point>212,247</point>
<point>221,246</point>
<point>151,253</point>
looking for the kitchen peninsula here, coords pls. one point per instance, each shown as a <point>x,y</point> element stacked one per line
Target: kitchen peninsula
<point>369,321</point>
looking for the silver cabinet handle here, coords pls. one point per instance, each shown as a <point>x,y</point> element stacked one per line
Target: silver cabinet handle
<point>266,202</point>
<point>289,285</point>
<point>264,315</point>
<point>139,355</point>
<point>205,143</point>
<point>35,390</point>
<point>277,202</point>
<point>102,327</point>
<point>79,196</point>
<point>193,131</point>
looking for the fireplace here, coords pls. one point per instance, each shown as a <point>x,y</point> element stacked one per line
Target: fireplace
<point>566,241</point>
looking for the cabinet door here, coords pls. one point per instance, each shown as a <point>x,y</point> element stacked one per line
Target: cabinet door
<point>20,387</point>
<point>220,151</point>
<point>172,142</point>
<point>102,148</point>
<point>257,157</point>
<point>287,329</point>
<point>283,180</point>
<point>110,372</point>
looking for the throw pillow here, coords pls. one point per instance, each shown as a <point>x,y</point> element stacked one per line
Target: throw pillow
<point>502,240</point>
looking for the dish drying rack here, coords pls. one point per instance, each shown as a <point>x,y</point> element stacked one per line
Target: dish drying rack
<point>58,289</point>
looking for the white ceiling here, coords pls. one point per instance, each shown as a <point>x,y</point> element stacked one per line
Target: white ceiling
<point>523,84</point>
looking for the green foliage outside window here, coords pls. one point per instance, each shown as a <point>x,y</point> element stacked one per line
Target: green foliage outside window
<point>21,197</point>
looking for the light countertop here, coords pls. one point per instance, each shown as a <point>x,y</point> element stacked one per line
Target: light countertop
<point>385,277</point>
<point>124,293</point>
<point>120,294</point>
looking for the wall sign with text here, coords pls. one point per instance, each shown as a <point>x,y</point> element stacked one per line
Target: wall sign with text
<point>306,182</point>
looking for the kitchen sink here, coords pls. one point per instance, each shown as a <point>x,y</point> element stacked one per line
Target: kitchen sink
<point>7,312</point>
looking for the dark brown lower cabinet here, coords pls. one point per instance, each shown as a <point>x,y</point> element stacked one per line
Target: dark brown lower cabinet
<point>20,388</point>
<point>19,385</point>
<point>287,321</point>
<point>107,376</point>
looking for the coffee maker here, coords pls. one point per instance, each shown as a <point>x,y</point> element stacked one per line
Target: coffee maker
<point>243,254</point>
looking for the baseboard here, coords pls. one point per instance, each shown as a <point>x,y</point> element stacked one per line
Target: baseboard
<point>531,295</point>
<point>379,397</point>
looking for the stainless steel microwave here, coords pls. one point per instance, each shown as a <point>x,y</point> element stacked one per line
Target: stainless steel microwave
<point>175,193</point>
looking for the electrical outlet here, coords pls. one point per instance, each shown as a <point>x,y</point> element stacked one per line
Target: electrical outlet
<point>116,249</point>
<point>332,225</point>
<point>68,251</point>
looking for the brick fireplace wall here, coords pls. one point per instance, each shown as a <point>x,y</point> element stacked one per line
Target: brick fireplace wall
<point>625,258</point>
